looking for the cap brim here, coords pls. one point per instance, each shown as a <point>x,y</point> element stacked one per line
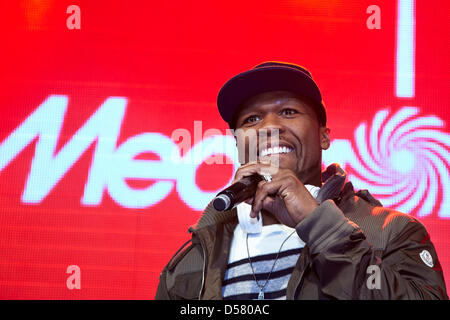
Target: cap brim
<point>245,85</point>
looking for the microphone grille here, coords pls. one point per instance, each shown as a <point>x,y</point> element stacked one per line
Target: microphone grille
<point>222,202</point>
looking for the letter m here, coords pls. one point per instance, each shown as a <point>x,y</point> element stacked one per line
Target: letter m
<point>47,168</point>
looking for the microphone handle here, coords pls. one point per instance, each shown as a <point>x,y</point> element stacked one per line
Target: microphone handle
<point>236,193</point>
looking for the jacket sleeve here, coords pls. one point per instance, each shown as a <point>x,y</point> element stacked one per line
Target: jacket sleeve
<point>348,267</point>
<point>161,292</point>
<point>182,277</point>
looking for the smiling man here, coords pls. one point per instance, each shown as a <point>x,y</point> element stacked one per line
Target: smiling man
<point>291,123</point>
<point>304,234</point>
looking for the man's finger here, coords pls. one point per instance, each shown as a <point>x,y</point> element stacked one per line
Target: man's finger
<point>266,189</point>
<point>253,168</point>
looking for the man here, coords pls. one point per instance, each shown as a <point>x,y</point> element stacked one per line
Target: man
<point>304,234</point>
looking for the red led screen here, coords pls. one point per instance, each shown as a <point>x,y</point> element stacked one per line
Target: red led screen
<point>98,189</point>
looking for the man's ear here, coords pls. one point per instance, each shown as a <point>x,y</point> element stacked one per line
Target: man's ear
<point>324,133</point>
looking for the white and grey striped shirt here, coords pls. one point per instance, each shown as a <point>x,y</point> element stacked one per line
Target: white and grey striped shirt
<point>239,282</point>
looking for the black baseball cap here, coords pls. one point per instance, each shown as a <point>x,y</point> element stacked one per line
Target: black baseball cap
<point>269,76</point>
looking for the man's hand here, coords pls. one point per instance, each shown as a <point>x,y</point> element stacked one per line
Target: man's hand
<point>285,196</point>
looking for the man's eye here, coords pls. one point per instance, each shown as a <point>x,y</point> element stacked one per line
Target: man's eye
<point>287,112</point>
<point>251,119</point>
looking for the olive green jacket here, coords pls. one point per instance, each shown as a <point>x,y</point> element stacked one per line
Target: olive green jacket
<point>355,249</point>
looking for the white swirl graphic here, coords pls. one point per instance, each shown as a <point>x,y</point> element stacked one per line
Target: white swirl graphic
<point>403,160</point>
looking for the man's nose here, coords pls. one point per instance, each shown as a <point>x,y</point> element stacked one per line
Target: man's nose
<point>272,125</point>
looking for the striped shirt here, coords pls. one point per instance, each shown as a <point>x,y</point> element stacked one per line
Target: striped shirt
<point>239,282</point>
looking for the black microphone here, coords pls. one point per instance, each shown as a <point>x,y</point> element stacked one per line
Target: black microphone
<point>236,193</point>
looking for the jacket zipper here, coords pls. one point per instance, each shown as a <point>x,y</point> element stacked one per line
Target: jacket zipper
<point>300,278</point>
<point>204,268</point>
<point>203,274</point>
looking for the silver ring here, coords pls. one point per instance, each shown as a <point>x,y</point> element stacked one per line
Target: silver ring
<point>267,177</point>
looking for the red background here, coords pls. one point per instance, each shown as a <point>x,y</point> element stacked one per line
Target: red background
<point>169,59</point>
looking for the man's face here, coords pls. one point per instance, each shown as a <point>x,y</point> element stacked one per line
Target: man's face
<point>280,115</point>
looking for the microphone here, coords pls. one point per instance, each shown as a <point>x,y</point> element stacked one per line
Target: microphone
<point>236,193</point>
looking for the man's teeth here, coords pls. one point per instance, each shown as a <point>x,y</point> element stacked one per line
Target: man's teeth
<point>274,150</point>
